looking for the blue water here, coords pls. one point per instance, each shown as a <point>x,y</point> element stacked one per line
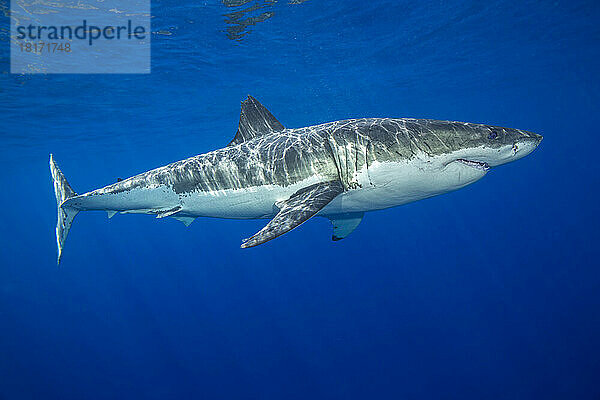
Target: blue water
<point>490,292</point>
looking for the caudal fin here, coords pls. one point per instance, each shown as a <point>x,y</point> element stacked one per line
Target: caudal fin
<point>63,191</point>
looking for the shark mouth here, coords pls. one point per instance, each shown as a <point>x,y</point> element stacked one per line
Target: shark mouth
<point>475,164</point>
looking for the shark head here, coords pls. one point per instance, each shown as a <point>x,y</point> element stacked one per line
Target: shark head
<point>412,159</point>
<point>441,143</point>
<point>484,146</point>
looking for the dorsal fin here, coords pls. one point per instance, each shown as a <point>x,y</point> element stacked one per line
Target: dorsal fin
<point>255,121</point>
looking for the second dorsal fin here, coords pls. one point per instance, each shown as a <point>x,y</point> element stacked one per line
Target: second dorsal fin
<point>255,121</point>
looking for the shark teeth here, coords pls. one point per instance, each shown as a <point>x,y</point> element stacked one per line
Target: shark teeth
<point>475,164</point>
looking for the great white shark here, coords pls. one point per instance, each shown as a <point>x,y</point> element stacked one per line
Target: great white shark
<point>337,170</point>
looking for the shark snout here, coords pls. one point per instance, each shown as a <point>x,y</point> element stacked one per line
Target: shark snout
<point>537,139</point>
<point>525,145</point>
<point>517,144</point>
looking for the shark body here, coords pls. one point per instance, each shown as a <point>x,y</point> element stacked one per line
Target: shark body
<point>338,170</point>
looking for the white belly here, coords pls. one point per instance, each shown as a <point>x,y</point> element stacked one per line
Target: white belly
<point>392,184</point>
<point>248,203</point>
<point>384,185</point>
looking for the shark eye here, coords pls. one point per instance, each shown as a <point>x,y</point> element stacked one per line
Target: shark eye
<point>493,135</point>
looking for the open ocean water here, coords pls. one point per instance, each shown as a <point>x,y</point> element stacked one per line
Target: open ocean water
<point>489,292</point>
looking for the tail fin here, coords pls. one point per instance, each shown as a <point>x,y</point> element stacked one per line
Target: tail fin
<point>63,191</point>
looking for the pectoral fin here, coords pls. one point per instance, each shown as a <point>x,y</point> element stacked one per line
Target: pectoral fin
<point>344,224</point>
<point>300,207</point>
